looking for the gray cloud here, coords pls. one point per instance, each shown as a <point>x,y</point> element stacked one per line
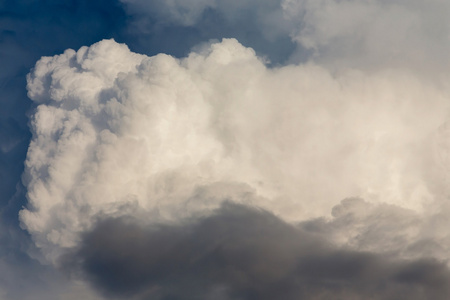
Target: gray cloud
<point>241,252</point>
<point>369,34</point>
<point>384,228</point>
<point>24,277</point>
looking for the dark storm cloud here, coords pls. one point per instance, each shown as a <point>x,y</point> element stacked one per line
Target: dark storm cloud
<point>243,253</point>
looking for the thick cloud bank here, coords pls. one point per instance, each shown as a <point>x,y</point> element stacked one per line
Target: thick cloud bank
<point>243,253</point>
<point>118,133</point>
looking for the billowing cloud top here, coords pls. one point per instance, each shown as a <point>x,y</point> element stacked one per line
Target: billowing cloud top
<point>116,132</point>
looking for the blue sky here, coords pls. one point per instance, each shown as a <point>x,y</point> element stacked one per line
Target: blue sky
<point>267,123</point>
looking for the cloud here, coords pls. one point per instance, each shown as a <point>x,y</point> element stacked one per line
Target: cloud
<point>114,130</point>
<point>242,253</point>
<point>334,99</point>
<point>369,34</point>
<point>23,277</point>
<point>384,228</point>
<point>177,26</point>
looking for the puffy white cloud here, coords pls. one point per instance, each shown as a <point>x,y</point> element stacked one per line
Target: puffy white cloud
<point>115,132</point>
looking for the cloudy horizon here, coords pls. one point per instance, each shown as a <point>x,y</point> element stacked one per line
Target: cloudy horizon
<point>211,149</point>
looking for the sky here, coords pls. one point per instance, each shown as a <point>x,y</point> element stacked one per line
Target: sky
<point>222,149</point>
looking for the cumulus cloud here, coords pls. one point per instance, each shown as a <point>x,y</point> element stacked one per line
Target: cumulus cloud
<point>131,150</point>
<point>242,253</point>
<point>116,132</point>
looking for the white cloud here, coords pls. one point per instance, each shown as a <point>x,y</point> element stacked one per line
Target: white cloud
<point>115,132</point>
